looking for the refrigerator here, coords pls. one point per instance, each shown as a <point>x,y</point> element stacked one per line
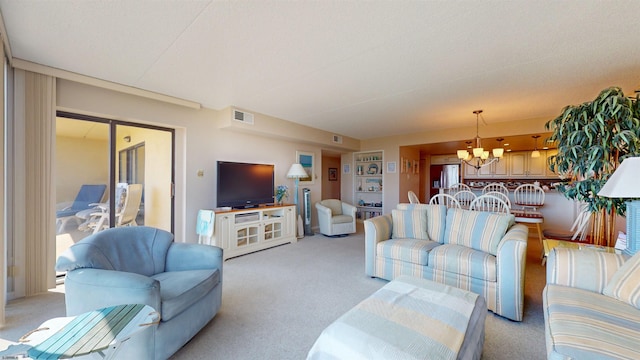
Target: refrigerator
<point>449,175</point>
<point>443,176</point>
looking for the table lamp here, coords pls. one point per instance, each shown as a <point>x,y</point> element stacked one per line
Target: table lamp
<point>623,183</point>
<point>296,171</point>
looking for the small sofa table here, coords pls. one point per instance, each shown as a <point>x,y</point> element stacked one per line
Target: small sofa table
<point>408,318</point>
<point>98,332</point>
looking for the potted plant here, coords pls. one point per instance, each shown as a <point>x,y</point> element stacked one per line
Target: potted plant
<point>592,139</point>
<point>282,192</point>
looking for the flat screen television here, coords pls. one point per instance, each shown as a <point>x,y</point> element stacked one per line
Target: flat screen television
<point>244,185</point>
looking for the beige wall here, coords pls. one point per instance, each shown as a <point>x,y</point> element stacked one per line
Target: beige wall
<point>78,162</point>
<point>204,136</point>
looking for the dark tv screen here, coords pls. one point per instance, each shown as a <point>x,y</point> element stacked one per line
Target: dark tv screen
<point>244,185</point>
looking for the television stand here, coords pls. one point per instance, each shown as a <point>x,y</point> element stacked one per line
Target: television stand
<point>242,231</point>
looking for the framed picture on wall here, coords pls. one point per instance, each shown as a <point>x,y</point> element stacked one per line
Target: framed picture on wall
<point>346,169</point>
<point>333,174</point>
<point>391,167</point>
<point>307,160</point>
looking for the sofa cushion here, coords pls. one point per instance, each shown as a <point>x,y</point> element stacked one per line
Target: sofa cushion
<point>583,324</point>
<point>436,219</point>
<point>342,219</point>
<point>625,283</point>
<point>478,230</point>
<point>334,204</point>
<point>410,250</point>
<point>409,224</point>
<point>459,259</point>
<point>181,289</point>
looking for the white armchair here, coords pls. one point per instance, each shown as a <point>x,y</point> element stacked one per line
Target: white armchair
<point>336,217</point>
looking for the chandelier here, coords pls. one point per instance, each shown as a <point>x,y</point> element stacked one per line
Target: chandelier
<point>480,157</point>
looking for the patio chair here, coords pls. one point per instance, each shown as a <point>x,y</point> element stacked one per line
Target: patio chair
<point>87,195</point>
<point>128,199</point>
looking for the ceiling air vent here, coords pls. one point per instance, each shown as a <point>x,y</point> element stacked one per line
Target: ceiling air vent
<point>242,116</point>
<point>337,139</point>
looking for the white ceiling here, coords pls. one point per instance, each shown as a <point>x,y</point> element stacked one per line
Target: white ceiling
<point>364,69</point>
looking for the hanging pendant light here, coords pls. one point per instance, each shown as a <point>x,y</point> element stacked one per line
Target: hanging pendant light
<point>479,157</point>
<point>535,153</point>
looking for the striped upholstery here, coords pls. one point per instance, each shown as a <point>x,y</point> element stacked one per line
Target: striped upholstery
<point>478,230</point>
<point>498,278</point>
<point>465,261</point>
<point>408,318</point>
<point>581,324</point>
<point>414,251</point>
<point>588,270</point>
<point>409,224</point>
<point>625,283</point>
<point>436,219</point>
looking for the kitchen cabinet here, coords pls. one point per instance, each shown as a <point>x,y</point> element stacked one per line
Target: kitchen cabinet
<point>549,172</point>
<point>523,165</point>
<point>497,169</point>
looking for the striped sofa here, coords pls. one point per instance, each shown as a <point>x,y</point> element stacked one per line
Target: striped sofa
<point>591,305</point>
<point>481,252</point>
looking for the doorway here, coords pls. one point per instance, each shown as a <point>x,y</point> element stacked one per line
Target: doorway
<point>103,168</point>
<point>331,175</point>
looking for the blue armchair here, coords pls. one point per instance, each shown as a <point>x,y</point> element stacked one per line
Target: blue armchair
<point>143,265</point>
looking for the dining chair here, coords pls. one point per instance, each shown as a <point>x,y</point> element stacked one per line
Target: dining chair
<point>465,197</point>
<point>444,199</point>
<point>490,203</point>
<point>528,197</point>
<point>413,198</point>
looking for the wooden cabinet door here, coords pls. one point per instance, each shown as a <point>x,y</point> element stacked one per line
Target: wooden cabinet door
<point>518,164</point>
<point>548,171</point>
<point>469,171</point>
<point>537,166</point>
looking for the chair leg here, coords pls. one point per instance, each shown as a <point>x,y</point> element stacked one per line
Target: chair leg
<point>539,232</point>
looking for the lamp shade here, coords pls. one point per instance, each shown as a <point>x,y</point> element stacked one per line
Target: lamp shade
<point>296,171</point>
<point>535,154</point>
<point>623,183</point>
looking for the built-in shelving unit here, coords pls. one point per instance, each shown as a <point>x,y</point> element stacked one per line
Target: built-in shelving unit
<point>368,176</point>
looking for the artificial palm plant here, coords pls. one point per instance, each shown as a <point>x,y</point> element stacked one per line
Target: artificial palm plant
<point>592,139</point>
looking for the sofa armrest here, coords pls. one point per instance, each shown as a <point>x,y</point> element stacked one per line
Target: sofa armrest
<point>376,229</point>
<point>186,256</point>
<point>348,209</point>
<point>323,211</point>
<point>583,269</point>
<point>89,289</point>
<point>511,259</point>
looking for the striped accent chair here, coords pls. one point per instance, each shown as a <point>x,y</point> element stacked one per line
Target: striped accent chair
<point>481,252</point>
<point>590,304</point>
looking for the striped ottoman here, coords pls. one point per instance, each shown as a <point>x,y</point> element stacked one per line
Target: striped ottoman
<point>408,318</point>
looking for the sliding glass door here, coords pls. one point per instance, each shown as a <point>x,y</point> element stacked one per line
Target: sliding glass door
<point>111,174</point>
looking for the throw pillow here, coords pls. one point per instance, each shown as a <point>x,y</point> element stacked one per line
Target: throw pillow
<point>625,283</point>
<point>409,224</point>
<point>478,230</point>
<point>436,219</point>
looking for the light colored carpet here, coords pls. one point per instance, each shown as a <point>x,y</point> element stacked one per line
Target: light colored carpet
<point>276,302</point>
